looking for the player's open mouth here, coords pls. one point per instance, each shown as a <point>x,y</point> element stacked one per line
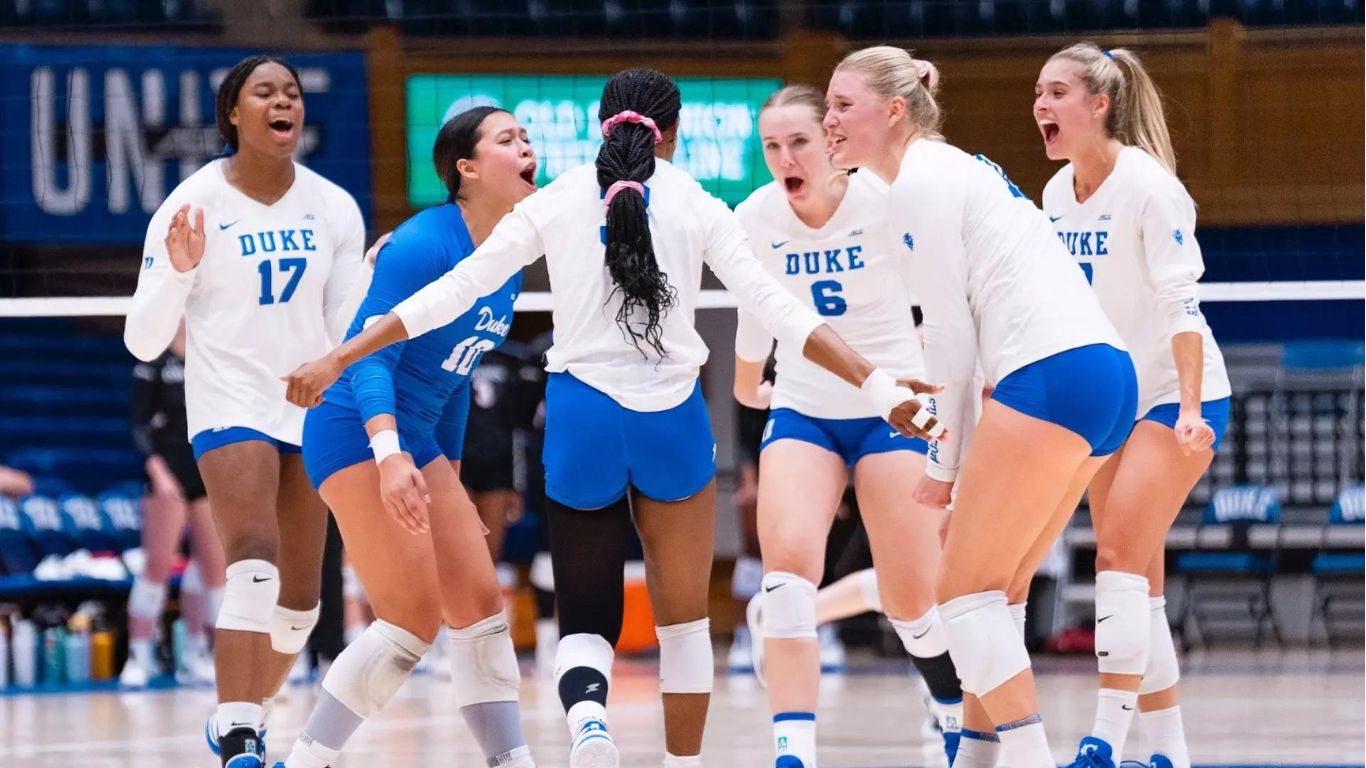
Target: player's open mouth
<point>793,184</point>
<point>282,125</point>
<point>1050,131</point>
<point>528,175</point>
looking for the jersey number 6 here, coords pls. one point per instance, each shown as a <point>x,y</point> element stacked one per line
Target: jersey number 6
<point>826,295</point>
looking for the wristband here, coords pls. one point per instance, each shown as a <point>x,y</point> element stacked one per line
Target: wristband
<point>384,444</point>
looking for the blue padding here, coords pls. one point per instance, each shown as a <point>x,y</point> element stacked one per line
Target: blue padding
<point>1331,563</point>
<point>1224,562</point>
<point>25,586</point>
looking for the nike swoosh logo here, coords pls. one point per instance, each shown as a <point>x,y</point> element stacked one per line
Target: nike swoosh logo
<point>293,628</point>
<point>1126,707</point>
<point>780,245</point>
<point>770,589</point>
<point>222,227</point>
<point>259,579</point>
<point>1111,616</point>
<point>895,434</point>
<point>922,634</point>
<point>1054,219</point>
<point>235,725</point>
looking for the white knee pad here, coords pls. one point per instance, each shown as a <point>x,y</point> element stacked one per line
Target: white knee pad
<point>983,643</point>
<point>542,574</point>
<point>191,582</point>
<point>747,578</point>
<point>249,596</point>
<point>146,599</point>
<point>584,650</point>
<point>368,673</point>
<point>789,606</point>
<point>1122,623</point>
<point>483,662</point>
<point>867,584</point>
<point>1163,670</point>
<point>289,629</point>
<point>352,589</point>
<point>685,657</point>
<point>923,637</point>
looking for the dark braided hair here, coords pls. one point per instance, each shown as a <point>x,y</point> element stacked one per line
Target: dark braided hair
<point>231,88</point>
<point>628,154</point>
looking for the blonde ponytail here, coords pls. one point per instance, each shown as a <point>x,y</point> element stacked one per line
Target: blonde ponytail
<point>892,72</point>
<point>1136,117</point>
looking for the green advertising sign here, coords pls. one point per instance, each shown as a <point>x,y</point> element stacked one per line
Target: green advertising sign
<point>718,127</point>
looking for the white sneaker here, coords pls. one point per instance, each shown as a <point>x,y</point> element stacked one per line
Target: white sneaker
<point>133,674</point>
<point>593,746</point>
<point>831,648</point>
<point>738,659</point>
<point>754,619</point>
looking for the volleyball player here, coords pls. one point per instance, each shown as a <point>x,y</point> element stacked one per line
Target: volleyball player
<point>821,234</point>
<point>384,451</point>
<point>995,284</point>
<point>175,495</point>
<point>627,432</point>
<point>1121,211</point>
<point>260,256</point>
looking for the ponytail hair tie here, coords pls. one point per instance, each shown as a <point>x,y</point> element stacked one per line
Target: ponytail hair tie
<point>630,117</point>
<point>618,186</point>
<point>1108,55</point>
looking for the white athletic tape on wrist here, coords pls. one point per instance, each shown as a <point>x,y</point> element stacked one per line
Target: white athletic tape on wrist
<point>983,643</point>
<point>1122,616</point>
<point>368,673</point>
<point>686,663</point>
<point>289,629</point>
<point>1164,670</point>
<point>789,606</point>
<point>384,444</point>
<point>249,596</point>
<point>882,390</point>
<point>483,662</point>
<point>146,599</point>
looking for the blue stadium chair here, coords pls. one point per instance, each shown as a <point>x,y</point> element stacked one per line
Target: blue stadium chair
<point>1338,572</point>
<point>89,528</point>
<point>123,519</point>
<point>1233,570</point>
<point>18,557</point>
<point>41,518</point>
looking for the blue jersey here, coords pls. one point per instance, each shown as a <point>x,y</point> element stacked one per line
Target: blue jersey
<point>424,382</point>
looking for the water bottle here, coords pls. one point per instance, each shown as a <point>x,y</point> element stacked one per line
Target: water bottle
<point>4,659</point>
<point>25,642</point>
<point>77,649</point>
<point>102,655</point>
<point>54,656</point>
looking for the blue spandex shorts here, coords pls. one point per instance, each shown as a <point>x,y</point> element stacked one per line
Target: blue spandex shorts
<point>850,439</point>
<point>335,438</point>
<point>1090,390</point>
<point>1214,412</point>
<point>218,437</point>
<point>596,448</point>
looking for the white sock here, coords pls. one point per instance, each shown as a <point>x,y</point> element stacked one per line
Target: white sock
<point>311,754</point>
<point>1167,735</point>
<point>516,758</point>
<point>1114,713</point>
<point>794,733</point>
<point>141,651</point>
<point>237,714</point>
<point>689,761</point>
<point>974,752</point>
<point>1025,744</point>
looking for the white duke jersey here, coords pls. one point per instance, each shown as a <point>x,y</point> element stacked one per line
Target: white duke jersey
<point>1135,240</point>
<point>276,288</point>
<point>565,221</point>
<point>993,281</point>
<point>847,272</point>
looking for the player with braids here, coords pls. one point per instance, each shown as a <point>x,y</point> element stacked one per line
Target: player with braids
<point>627,436</point>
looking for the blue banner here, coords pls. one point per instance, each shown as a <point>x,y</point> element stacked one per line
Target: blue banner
<point>93,138</point>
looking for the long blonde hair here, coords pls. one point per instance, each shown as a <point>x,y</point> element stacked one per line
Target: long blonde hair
<point>1136,117</point>
<point>893,72</point>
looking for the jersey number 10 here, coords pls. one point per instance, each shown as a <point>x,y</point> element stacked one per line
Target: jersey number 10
<point>466,355</point>
<point>295,267</point>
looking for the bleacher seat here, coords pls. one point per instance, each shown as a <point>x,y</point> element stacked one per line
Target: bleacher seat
<point>17,554</point>
<point>1337,571</point>
<point>89,528</point>
<point>41,518</point>
<point>123,518</point>
<point>1233,572</point>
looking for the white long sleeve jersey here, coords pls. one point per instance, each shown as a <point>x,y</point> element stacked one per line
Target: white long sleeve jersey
<point>277,286</point>
<point>993,281</point>
<point>1135,240</point>
<point>565,222</point>
<point>847,272</point>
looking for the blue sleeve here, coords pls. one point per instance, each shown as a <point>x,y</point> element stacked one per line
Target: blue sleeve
<point>407,262</point>
<point>450,430</point>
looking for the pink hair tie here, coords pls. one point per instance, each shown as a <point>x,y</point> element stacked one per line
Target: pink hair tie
<point>618,186</point>
<point>630,117</point>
